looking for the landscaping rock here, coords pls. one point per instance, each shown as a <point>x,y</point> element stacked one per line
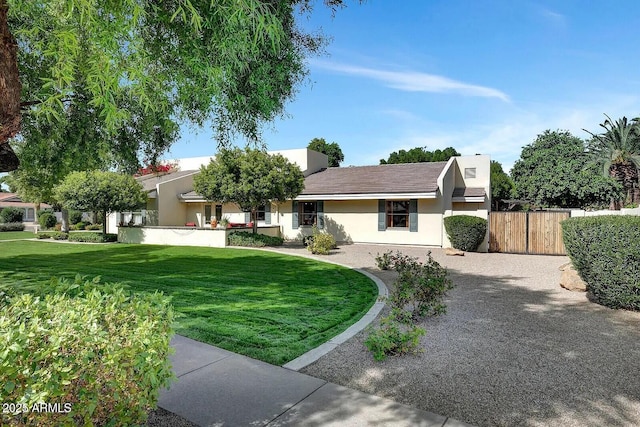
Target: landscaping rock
<point>453,252</point>
<point>571,280</point>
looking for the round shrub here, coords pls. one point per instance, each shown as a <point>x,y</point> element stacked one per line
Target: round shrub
<point>47,220</point>
<point>75,217</point>
<point>605,252</point>
<point>11,214</point>
<point>465,232</point>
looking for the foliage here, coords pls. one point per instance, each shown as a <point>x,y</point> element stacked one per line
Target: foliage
<point>465,232</point>
<point>93,237</point>
<point>157,169</point>
<point>250,178</point>
<point>11,214</point>
<point>554,171</point>
<point>604,251</point>
<point>244,238</point>
<point>617,152</point>
<point>502,186</point>
<point>236,62</point>
<point>393,338</point>
<point>420,155</point>
<point>75,217</point>
<point>332,150</point>
<point>227,297</point>
<point>100,191</point>
<point>11,226</point>
<point>320,243</point>
<point>78,226</point>
<point>47,220</point>
<point>418,291</point>
<point>91,345</point>
<point>93,227</point>
<point>55,235</point>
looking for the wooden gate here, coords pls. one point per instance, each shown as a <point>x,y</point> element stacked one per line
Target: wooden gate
<point>537,233</point>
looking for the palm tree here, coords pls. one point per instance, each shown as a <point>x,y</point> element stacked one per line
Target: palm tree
<point>617,151</point>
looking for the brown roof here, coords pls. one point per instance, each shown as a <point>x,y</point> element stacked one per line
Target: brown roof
<point>149,181</point>
<point>469,192</point>
<point>381,179</point>
<point>14,200</point>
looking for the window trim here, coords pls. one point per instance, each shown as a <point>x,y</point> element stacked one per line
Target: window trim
<point>470,173</point>
<point>390,215</point>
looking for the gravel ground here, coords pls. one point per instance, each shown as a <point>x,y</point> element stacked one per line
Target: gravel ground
<point>513,349</point>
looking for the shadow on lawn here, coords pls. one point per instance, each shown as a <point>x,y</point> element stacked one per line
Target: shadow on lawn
<point>510,351</point>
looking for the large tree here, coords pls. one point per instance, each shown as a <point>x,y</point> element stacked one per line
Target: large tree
<point>99,191</point>
<point>233,61</point>
<point>420,155</point>
<point>617,152</point>
<point>553,171</point>
<point>332,150</point>
<point>250,178</point>
<point>502,186</point>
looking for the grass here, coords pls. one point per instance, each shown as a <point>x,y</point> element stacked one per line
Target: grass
<point>11,235</point>
<point>265,305</point>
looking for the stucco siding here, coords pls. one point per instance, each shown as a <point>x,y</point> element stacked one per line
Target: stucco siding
<point>170,210</point>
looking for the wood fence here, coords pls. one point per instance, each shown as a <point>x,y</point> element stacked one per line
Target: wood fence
<point>536,233</point>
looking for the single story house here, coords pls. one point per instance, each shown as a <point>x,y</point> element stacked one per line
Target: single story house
<point>13,200</point>
<point>383,204</point>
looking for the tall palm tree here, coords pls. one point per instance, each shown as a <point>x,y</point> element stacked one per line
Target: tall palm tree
<point>617,151</point>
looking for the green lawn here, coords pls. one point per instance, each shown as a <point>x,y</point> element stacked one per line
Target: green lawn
<point>10,235</point>
<point>264,305</point>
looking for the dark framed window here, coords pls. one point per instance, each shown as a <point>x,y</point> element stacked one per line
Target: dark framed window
<point>218,212</point>
<point>397,213</point>
<point>261,213</point>
<point>308,212</point>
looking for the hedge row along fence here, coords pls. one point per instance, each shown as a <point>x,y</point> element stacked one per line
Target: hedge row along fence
<point>97,352</point>
<point>605,250</point>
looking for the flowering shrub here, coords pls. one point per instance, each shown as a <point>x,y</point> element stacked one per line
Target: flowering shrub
<point>159,168</point>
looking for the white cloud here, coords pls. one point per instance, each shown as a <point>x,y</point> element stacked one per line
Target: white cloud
<point>412,81</point>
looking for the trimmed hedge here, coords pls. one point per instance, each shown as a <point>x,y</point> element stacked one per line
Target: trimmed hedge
<point>93,237</point>
<point>55,235</point>
<point>12,226</point>
<point>11,214</point>
<point>465,232</point>
<point>92,348</point>
<point>245,238</point>
<point>47,220</point>
<point>605,251</point>
<point>75,217</point>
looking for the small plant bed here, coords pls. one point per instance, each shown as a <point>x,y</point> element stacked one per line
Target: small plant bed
<point>83,237</point>
<point>15,235</point>
<point>248,239</point>
<point>269,306</point>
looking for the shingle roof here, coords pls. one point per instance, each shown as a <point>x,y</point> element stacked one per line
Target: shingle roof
<point>469,192</point>
<point>150,181</point>
<point>381,179</point>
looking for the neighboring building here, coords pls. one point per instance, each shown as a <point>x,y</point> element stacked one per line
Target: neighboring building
<point>14,201</point>
<point>392,204</point>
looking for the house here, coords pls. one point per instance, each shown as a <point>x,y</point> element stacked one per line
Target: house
<point>384,204</point>
<point>13,200</point>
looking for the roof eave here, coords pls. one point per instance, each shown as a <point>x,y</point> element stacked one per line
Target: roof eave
<point>368,196</point>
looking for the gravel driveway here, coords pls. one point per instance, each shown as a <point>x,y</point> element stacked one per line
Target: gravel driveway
<point>513,349</point>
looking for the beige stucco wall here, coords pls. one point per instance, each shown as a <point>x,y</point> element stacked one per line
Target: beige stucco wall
<point>357,221</point>
<point>309,161</point>
<point>173,236</point>
<point>170,210</point>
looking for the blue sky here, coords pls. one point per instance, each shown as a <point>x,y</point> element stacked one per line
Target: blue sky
<point>482,76</point>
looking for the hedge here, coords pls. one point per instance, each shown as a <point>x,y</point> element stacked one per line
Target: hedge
<point>12,226</point>
<point>465,232</point>
<point>93,349</point>
<point>93,237</point>
<point>605,250</point>
<point>55,235</point>
<point>47,220</point>
<point>245,238</point>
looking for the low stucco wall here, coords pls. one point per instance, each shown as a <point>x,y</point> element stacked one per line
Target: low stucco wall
<point>185,236</point>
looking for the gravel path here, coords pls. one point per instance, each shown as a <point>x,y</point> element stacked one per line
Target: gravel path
<point>513,349</point>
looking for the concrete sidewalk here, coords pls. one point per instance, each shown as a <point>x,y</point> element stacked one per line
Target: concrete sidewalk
<point>216,387</point>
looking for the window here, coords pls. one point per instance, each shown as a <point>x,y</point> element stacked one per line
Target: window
<point>218,212</point>
<point>469,173</point>
<point>398,213</point>
<point>261,213</point>
<point>308,213</point>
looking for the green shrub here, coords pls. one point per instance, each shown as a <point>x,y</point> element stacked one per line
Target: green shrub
<point>465,232</point>
<point>47,220</point>
<point>320,243</point>
<point>89,345</point>
<point>55,235</point>
<point>246,238</point>
<point>78,226</point>
<point>11,214</point>
<point>393,338</point>
<point>93,237</point>
<point>93,227</point>
<point>75,217</point>
<point>12,226</point>
<point>605,251</point>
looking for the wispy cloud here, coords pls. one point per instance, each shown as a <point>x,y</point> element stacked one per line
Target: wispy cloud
<point>412,81</point>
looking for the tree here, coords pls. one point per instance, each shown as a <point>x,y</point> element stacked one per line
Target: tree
<point>420,155</point>
<point>553,171</point>
<point>502,186</point>
<point>250,178</point>
<point>617,152</point>
<point>332,151</point>
<point>234,61</point>
<point>99,191</point>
